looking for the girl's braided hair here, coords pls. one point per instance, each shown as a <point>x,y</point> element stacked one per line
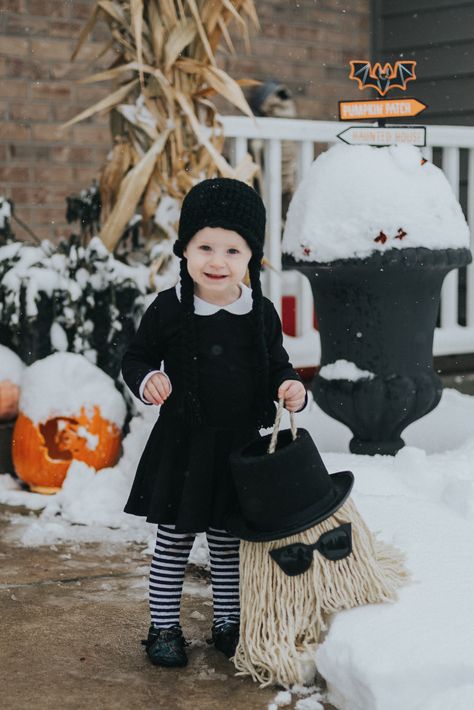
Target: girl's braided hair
<point>230,204</point>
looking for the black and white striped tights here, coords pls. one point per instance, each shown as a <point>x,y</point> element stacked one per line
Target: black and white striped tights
<point>168,564</point>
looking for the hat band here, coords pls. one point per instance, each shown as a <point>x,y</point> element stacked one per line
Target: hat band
<point>283,522</point>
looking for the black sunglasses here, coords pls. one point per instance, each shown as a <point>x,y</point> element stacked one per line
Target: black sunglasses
<point>297,558</point>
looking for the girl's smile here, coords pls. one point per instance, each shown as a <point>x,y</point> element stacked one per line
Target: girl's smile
<point>217,261</point>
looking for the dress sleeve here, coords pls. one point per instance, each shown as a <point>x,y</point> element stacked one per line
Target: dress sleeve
<point>145,352</point>
<point>280,367</point>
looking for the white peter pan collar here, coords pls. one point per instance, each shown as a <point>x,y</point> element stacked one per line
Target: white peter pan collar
<point>239,307</point>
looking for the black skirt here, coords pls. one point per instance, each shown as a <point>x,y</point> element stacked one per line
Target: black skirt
<point>184,476</point>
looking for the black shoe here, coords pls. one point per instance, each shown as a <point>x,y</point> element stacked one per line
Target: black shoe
<point>165,647</point>
<point>226,637</point>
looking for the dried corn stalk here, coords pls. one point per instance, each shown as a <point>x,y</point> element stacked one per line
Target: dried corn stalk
<point>164,76</point>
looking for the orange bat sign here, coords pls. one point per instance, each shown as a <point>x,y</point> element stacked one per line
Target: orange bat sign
<point>382,78</point>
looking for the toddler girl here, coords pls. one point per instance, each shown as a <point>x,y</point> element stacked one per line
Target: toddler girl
<point>221,345</point>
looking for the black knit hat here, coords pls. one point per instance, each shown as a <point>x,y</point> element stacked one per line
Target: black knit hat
<point>223,202</point>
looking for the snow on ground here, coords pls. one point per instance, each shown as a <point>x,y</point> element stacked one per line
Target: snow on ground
<point>415,654</point>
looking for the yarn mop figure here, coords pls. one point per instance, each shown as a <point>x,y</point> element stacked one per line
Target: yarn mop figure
<point>305,553</point>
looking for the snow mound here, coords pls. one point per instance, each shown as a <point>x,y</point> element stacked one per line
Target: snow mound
<point>89,496</point>
<point>11,367</point>
<point>422,644</point>
<point>344,370</point>
<point>63,383</point>
<point>353,194</point>
<point>453,699</point>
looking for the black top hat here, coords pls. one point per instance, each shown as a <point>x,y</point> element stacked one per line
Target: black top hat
<point>286,492</point>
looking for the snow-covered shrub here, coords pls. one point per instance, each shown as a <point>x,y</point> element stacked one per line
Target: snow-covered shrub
<point>69,297</point>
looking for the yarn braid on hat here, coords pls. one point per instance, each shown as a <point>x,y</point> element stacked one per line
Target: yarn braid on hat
<point>229,204</point>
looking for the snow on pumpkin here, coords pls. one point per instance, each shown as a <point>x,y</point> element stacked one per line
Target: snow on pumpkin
<point>69,411</point>
<point>11,371</point>
<point>359,199</point>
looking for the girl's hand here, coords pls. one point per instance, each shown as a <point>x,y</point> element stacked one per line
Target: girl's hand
<point>157,389</point>
<point>293,393</point>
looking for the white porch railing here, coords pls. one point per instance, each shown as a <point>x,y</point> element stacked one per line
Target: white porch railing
<point>450,338</point>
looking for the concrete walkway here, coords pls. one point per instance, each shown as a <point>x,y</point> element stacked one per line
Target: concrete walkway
<point>72,619</point>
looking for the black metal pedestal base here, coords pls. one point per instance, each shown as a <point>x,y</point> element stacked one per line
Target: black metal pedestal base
<point>6,432</point>
<point>371,448</point>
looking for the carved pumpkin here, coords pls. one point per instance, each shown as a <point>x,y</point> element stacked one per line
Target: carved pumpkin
<point>9,396</point>
<point>42,453</point>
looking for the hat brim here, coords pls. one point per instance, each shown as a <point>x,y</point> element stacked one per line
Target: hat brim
<point>342,483</point>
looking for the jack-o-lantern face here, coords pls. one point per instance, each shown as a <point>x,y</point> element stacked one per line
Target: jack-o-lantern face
<point>9,395</point>
<point>65,438</point>
<point>42,453</point>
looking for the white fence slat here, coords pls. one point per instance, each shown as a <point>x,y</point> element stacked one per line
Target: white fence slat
<point>450,164</point>
<point>449,292</point>
<point>449,300</point>
<point>305,158</point>
<point>240,149</point>
<point>470,219</point>
<point>305,308</point>
<point>273,197</point>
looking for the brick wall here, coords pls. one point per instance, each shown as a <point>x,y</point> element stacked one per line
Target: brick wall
<point>40,164</point>
<point>304,43</point>
<point>307,44</point>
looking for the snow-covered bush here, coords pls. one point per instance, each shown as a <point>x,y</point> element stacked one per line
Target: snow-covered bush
<point>69,297</point>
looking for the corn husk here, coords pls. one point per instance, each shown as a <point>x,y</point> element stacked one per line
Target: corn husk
<point>164,77</point>
<point>112,174</point>
<point>130,191</point>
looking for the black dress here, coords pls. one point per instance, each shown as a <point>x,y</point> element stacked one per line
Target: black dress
<point>183,476</point>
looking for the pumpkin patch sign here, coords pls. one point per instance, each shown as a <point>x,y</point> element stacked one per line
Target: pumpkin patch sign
<point>69,410</point>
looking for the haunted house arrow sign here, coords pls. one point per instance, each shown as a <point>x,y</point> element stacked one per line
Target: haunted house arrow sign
<point>384,135</point>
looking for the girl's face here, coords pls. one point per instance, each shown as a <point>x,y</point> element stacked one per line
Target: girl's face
<point>217,263</point>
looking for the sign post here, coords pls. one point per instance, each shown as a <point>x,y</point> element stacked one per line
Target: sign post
<point>382,79</point>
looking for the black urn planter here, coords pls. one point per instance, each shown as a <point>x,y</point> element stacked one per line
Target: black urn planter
<point>379,313</point>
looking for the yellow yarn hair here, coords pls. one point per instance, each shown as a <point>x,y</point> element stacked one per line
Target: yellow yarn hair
<point>282,617</point>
